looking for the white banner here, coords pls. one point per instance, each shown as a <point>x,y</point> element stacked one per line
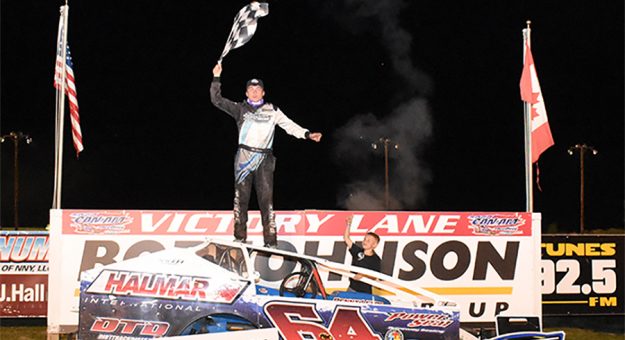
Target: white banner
<point>488,262</point>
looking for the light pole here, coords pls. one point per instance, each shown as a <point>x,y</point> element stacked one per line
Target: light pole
<point>582,148</point>
<point>16,137</point>
<point>385,142</point>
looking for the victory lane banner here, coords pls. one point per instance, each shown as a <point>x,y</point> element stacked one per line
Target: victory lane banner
<point>488,262</point>
<point>23,274</point>
<point>583,274</point>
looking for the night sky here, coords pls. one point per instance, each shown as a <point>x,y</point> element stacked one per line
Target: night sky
<point>439,78</point>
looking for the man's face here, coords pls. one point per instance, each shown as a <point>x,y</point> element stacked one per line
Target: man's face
<point>369,242</point>
<point>255,93</point>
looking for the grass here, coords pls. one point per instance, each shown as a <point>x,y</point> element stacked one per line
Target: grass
<point>22,333</point>
<point>584,334</point>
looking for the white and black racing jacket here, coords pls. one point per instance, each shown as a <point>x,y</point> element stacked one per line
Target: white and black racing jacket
<point>256,124</point>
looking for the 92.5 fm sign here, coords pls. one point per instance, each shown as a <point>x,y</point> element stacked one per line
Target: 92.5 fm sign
<point>582,274</point>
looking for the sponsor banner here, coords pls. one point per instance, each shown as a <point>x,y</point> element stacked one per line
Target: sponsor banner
<point>23,273</point>
<point>487,262</point>
<point>23,296</point>
<point>319,223</point>
<point>583,274</point>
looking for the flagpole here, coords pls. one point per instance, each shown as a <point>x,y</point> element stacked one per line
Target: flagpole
<point>527,109</point>
<point>60,114</point>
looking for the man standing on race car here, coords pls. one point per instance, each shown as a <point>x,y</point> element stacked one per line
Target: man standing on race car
<point>254,162</point>
<point>364,257</point>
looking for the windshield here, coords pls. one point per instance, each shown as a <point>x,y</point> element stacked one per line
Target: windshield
<point>227,257</point>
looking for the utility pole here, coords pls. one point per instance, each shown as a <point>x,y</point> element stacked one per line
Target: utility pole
<point>385,142</point>
<point>16,137</point>
<point>582,149</point>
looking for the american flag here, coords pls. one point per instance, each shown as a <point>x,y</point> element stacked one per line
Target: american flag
<point>244,26</point>
<point>71,95</point>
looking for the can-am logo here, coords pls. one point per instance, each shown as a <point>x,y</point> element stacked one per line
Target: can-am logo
<point>100,222</point>
<point>496,224</point>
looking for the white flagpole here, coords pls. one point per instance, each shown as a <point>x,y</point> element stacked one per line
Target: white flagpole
<point>527,109</point>
<point>56,106</point>
<point>60,113</point>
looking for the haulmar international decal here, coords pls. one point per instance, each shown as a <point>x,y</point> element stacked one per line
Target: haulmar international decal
<point>496,224</point>
<point>190,288</point>
<point>100,222</point>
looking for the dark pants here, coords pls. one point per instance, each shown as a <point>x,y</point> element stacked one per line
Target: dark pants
<point>262,179</point>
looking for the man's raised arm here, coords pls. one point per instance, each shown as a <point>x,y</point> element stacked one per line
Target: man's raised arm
<point>222,103</point>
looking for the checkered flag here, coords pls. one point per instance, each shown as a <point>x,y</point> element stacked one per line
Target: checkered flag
<point>244,26</point>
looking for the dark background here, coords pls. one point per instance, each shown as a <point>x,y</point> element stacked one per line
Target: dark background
<point>154,141</point>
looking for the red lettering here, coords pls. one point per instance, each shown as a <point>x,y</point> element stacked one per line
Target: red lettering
<point>131,285</point>
<point>165,288</point>
<point>105,325</point>
<point>348,323</point>
<point>115,282</point>
<point>296,320</point>
<point>145,281</point>
<point>417,319</point>
<point>130,325</point>
<point>156,329</point>
<point>199,289</point>
<point>183,288</point>
<point>395,316</point>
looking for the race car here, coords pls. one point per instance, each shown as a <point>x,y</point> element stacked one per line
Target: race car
<point>221,286</point>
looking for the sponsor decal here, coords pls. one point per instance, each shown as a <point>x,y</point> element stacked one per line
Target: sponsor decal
<point>496,224</point>
<point>189,288</point>
<point>100,222</point>
<point>129,327</point>
<point>258,116</point>
<point>422,319</point>
<point>362,301</point>
<point>107,300</point>
<point>394,334</point>
<point>296,320</point>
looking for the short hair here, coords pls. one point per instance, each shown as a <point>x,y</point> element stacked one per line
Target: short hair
<point>375,236</point>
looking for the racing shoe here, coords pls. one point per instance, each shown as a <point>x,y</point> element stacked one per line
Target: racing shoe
<point>240,240</point>
<point>271,246</point>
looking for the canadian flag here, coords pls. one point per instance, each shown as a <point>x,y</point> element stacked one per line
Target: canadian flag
<point>531,93</point>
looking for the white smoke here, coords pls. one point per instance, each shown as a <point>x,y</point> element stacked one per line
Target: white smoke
<point>409,125</point>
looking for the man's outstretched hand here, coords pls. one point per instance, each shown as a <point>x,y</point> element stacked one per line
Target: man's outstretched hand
<point>217,70</point>
<point>316,136</point>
